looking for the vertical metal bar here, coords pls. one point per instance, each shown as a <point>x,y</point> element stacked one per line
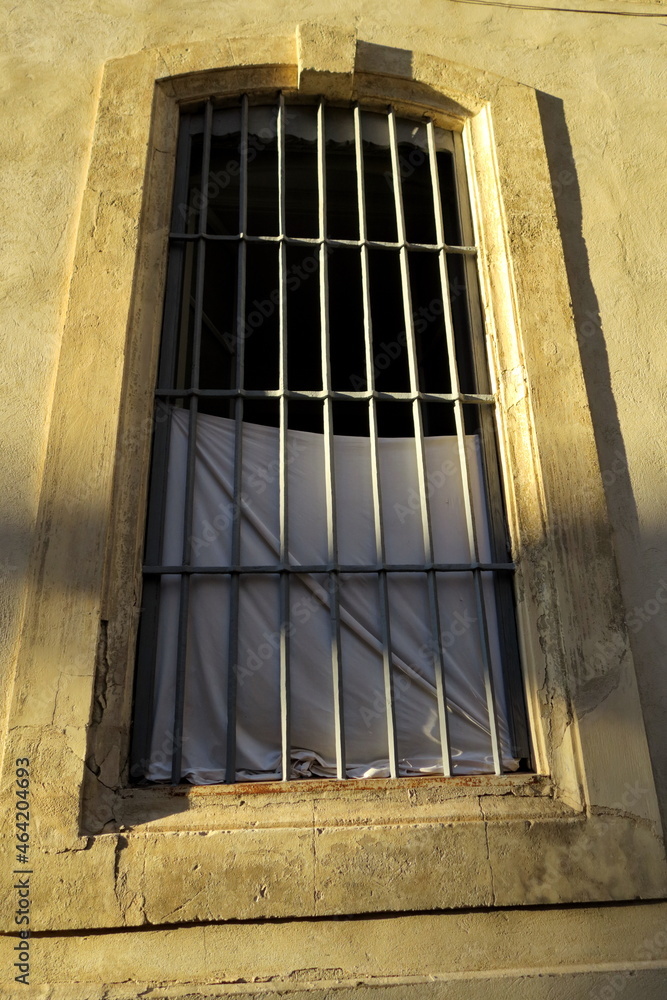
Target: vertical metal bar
<point>191,463</point>
<point>427,536</point>
<point>235,581</point>
<point>282,484</point>
<point>463,458</point>
<point>329,467</point>
<point>387,654</point>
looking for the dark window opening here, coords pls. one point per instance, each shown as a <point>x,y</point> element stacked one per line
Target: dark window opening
<point>328,582</point>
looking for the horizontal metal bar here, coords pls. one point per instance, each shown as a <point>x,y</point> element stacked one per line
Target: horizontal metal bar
<point>408,397</point>
<point>331,568</point>
<point>316,241</point>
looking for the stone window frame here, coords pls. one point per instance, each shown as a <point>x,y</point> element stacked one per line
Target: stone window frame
<point>585,827</point>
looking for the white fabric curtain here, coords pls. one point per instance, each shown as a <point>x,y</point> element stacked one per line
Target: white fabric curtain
<point>312,707</point>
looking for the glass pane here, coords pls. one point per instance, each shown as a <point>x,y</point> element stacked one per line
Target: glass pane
<point>224,173</point>
<point>438,419</point>
<point>390,357</point>
<point>395,420</point>
<point>416,184</point>
<point>429,323</point>
<point>262,172</point>
<point>350,418</point>
<point>186,318</point>
<point>347,350</point>
<point>378,179</point>
<point>213,506</point>
<point>261,330</point>
<point>446,499</point>
<point>186,216</point>
<point>458,297</point>
<point>304,344</point>
<point>475,464</point>
<point>301,191</point>
<point>341,173</point>
<point>217,369</point>
<point>449,198</point>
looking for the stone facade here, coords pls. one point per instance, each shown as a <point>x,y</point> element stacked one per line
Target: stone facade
<point>418,886</point>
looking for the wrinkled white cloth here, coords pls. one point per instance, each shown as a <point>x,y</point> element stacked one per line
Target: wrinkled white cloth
<point>312,713</point>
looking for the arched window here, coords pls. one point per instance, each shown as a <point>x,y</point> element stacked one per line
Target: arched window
<point>327,581</point>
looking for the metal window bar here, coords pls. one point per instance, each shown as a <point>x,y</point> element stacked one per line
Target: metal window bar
<point>438,651</point>
<point>380,552</point>
<point>235,582</point>
<point>154,570</point>
<point>307,569</point>
<point>463,458</point>
<point>433,397</point>
<point>329,463</point>
<point>282,474</point>
<point>310,241</point>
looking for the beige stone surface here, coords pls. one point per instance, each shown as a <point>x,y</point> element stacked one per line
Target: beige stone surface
<point>416,853</point>
<point>408,953</point>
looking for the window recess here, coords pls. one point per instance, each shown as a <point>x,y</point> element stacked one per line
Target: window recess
<point>327,582</point>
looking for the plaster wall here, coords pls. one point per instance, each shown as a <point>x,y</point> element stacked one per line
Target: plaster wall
<point>602,80</point>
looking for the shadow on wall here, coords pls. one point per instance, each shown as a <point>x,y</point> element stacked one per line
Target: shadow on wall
<point>646,620</point>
